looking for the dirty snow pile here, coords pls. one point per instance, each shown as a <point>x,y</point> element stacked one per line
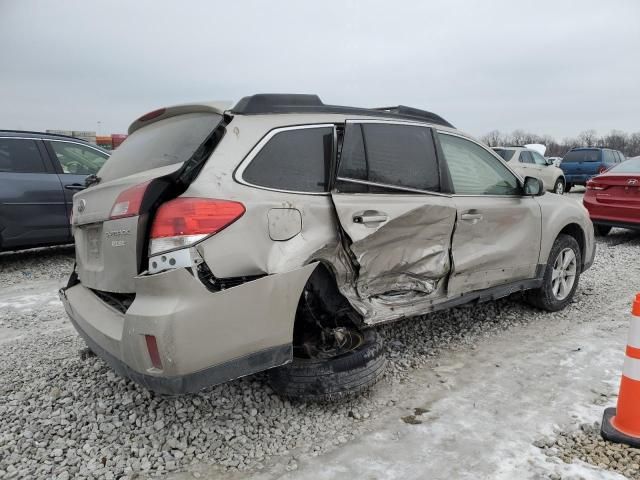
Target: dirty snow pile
<point>587,445</point>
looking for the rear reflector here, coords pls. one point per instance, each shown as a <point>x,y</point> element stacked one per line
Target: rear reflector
<point>591,185</point>
<point>128,202</point>
<point>154,353</point>
<point>184,221</point>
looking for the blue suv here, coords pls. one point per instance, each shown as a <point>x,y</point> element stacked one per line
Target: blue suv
<point>580,164</point>
<point>39,173</point>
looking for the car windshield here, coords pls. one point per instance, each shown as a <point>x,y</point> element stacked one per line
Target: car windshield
<point>582,156</point>
<point>505,153</point>
<point>630,166</point>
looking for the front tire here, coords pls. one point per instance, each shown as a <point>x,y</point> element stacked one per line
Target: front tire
<point>332,378</point>
<point>561,276</point>
<point>558,187</point>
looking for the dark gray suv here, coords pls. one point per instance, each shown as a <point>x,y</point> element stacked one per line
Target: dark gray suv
<point>39,173</point>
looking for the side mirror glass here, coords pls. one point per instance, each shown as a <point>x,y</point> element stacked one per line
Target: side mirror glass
<point>533,186</point>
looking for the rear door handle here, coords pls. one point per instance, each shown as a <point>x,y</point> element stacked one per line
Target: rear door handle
<point>369,217</point>
<point>74,186</point>
<point>471,217</point>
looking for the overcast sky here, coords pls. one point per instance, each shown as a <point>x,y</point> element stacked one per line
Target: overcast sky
<point>551,67</point>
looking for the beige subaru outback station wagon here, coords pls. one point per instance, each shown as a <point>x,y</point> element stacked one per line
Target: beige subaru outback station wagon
<point>221,241</point>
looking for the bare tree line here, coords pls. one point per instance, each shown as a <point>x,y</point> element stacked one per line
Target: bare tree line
<point>627,143</point>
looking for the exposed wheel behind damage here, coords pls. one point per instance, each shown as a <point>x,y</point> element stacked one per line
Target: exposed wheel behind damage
<point>331,375</point>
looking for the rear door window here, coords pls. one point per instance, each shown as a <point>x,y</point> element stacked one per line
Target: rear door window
<point>165,142</point>
<point>295,160</point>
<point>77,159</point>
<point>607,157</point>
<point>525,157</point>
<point>388,157</point>
<point>19,155</point>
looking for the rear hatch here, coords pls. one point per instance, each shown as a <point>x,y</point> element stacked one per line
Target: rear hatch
<point>164,151</point>
<point>582,162</point>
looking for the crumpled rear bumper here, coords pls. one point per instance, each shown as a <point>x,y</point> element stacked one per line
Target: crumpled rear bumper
<point>203,337</point>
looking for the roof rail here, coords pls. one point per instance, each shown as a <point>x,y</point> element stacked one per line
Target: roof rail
<point>31,132</point>
<point>415,112</point>
<point>265,103</point>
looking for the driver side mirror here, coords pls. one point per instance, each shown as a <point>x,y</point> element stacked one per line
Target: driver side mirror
<point>533,186</point>
<point>548,162</point>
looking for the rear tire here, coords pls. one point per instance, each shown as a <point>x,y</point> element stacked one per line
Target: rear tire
<point>331,379</point>
<point>601,230</point>
<point>555,294</point>
<point>558,187</point>
<point>567,188</point>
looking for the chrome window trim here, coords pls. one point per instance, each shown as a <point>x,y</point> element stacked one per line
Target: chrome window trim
<point>497,157</point>
<point>238,175</point>
<point>385,185</point>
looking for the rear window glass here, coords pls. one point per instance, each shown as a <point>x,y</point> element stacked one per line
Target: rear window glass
<point>505,153</point>
<point>394,155</point>
<point>20,156</point>
<point>168,141</point>
<point>630,166</point>
<point>582,156</point>
<point>294,160</point>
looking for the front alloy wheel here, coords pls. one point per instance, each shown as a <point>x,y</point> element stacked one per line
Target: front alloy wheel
<point>563,275</point>
<point>558,188</point>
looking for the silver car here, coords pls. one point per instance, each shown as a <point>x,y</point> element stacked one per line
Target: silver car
<point>528,162</point>
<point>218,242</point>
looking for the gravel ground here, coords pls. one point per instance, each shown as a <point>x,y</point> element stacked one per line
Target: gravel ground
<point>63,417</point>
<point>585,444</point>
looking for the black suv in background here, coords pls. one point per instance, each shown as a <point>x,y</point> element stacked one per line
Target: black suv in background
<point>39,173</point>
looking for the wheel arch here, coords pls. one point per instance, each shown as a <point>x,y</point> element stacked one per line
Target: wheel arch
<point>574,230</point>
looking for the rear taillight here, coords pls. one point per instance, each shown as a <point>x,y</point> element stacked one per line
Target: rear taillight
<point>591,185</point>
<point>184,221</point>
<point>129,201</point>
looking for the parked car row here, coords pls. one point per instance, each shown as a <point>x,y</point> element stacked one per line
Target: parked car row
<point>221,241</point>
<point>39,173</point>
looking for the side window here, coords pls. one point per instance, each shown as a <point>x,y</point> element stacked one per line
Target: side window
<point>538,159</point>
<point>392,155</point>
<point>607,156</point>
<point>474,171</point>
<point>295,160</point>
<point>20,156</point>
<point>78,159</point>
<point>525,157</point>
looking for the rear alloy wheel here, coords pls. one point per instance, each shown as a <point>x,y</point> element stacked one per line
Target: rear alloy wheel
<point>558,188</point>
<point>601,230</point>
<point>332,370</point>
<point>560,277</point>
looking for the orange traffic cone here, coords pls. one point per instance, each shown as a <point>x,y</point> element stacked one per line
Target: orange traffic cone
<point>622,424</point>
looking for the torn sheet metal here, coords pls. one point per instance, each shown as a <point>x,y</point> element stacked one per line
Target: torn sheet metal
<point>400,268</point>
